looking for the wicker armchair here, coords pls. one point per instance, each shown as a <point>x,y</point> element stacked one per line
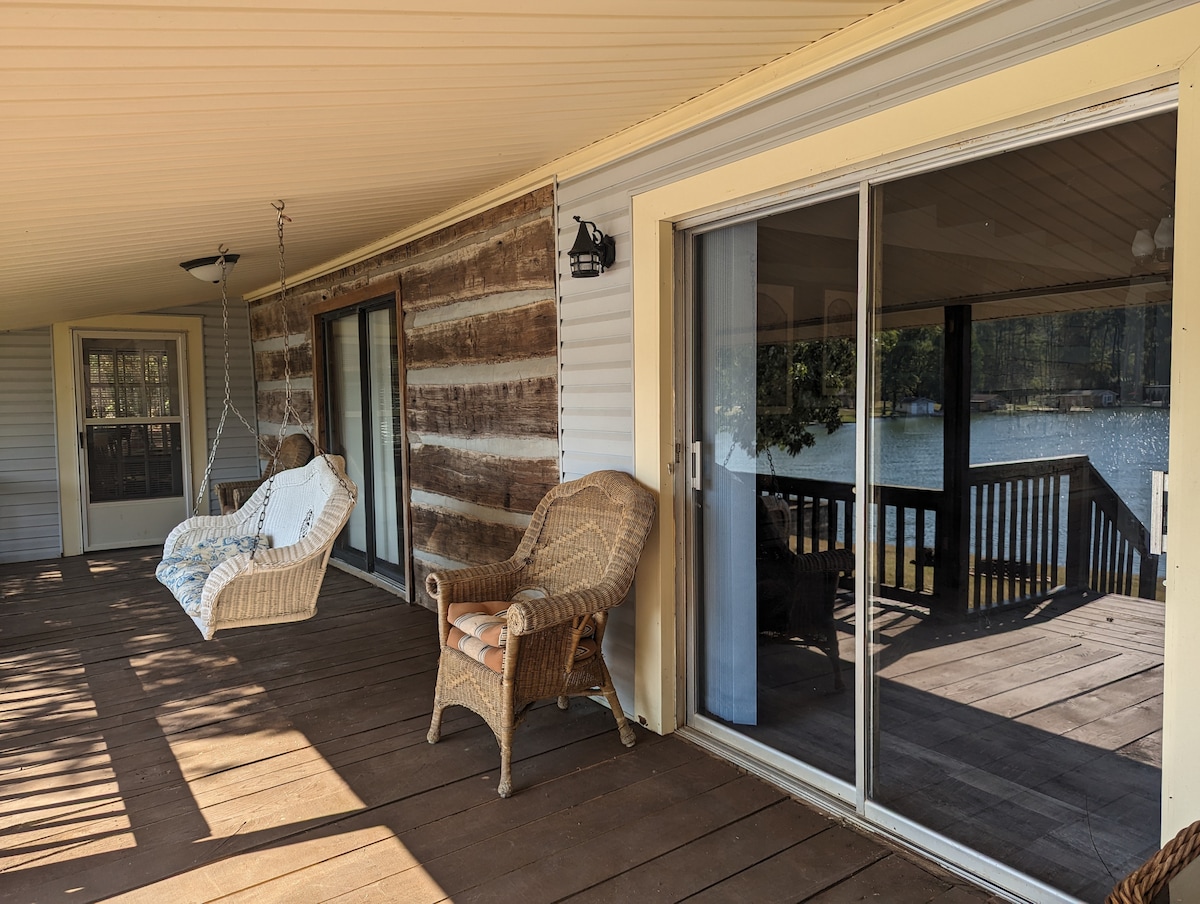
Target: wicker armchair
<point>1144,884</point>
<point>295,451</point>
<point>576,561</point>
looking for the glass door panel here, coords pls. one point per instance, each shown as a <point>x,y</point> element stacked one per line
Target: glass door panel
<point>363,417</point>
<point>1020,406</point>
<point>132,431</point>
<point>773,425</point>
<point>383,388</point>
<point>344,399</point>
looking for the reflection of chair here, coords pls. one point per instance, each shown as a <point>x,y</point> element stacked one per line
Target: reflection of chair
<point>295,451</point>
<point>796,593</point>
<point>1145,883</point>
<point>530,628</point>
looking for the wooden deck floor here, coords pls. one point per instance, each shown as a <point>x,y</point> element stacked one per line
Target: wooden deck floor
<point>140,763</point>
<point>1033,735</point>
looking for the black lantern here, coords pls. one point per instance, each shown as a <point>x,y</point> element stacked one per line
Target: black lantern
<point>593,251</point>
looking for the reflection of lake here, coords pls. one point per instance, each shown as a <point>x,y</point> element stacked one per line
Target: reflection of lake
<point>1125,445</point>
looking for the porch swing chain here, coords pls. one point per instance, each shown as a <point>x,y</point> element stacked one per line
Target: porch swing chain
<point>289,410</point>
<point>227,404</point>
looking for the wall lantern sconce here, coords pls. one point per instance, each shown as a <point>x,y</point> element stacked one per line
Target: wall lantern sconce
<point>211,269</point>
<point>593,251</point>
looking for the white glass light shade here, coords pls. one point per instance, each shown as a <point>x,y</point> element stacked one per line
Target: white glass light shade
<point>208,269</point>
<point>1164,235</point>
<point>1143,245</point>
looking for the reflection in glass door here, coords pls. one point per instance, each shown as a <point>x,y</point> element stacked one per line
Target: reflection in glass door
<point>1021,406</point>
<point>364,424</point>
<point>1019,311</point>
<point>773,495</point>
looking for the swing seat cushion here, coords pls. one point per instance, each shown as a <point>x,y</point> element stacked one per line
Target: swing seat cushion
<point>185,571</point>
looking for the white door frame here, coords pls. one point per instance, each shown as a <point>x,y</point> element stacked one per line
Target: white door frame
<point>68,402</point>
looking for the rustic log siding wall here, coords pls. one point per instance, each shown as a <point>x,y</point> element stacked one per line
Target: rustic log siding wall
<point>481,352</point>
<point>480,327</point>
<point>283,353</point>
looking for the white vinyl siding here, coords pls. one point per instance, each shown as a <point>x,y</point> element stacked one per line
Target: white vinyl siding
<point>29,525</point>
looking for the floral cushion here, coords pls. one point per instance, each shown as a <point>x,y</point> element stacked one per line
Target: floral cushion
<point>184,576</point>
<point>215,550</point>
<point>185,571</point>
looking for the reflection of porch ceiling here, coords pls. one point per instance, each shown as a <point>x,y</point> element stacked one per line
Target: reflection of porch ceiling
<point>1039,230</point>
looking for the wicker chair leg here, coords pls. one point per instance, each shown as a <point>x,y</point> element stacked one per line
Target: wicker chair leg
<point>505,788</point>
<point>628,738</point>
<point>563,702</point>
<point>435,726</point>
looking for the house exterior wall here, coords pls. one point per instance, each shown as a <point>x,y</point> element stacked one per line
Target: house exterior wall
<point>31,499</point>
<point>1058,63</point>
<point>598,344</point>
<point>598,335</point>
<point>480,360</point>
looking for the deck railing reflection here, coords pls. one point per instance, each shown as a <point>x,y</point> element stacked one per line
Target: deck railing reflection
<point>1035,526</point>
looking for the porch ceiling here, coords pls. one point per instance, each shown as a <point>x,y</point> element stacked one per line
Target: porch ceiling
<point>136,136</point>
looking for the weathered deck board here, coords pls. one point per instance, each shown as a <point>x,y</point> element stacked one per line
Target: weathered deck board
<point>139,763</point>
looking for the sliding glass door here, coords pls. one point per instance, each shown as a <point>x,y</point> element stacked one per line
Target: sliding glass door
<point>775,359</point>
<point>939,599</point>
<point>363,422</point>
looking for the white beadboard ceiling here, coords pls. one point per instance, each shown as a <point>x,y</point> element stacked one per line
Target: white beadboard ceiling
<point>140,134</point>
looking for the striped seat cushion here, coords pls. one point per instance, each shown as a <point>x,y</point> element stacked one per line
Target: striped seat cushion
<point>480,630</point>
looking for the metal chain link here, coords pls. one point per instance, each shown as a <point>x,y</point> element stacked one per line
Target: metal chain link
<point>227,404</point>
<point>289,409</point>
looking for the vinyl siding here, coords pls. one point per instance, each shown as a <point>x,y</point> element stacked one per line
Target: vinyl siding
<point>29,525</point>
<point>237,453</point>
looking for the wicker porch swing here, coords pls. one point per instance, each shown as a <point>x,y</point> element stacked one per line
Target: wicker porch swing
<point>264,563</point>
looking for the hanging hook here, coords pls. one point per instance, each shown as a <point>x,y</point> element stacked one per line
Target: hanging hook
<point>279,205</point>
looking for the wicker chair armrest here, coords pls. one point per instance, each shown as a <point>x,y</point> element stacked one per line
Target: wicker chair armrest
<point>478,582</point>
<point>228,486</point>
<point>531,616</point>
<point>229,582</point>
<point>232,493</point>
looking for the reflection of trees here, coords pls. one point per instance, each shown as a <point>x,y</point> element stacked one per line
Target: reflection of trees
<point>1121,349</point>
<point>1030,359</point>
<point>799,386</point>
<point>909,363</point>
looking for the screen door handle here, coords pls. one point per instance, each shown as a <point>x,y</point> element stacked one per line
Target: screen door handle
<point>697,449</point>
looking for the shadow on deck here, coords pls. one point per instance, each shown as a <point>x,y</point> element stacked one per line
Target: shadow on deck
<point>141,763</point>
